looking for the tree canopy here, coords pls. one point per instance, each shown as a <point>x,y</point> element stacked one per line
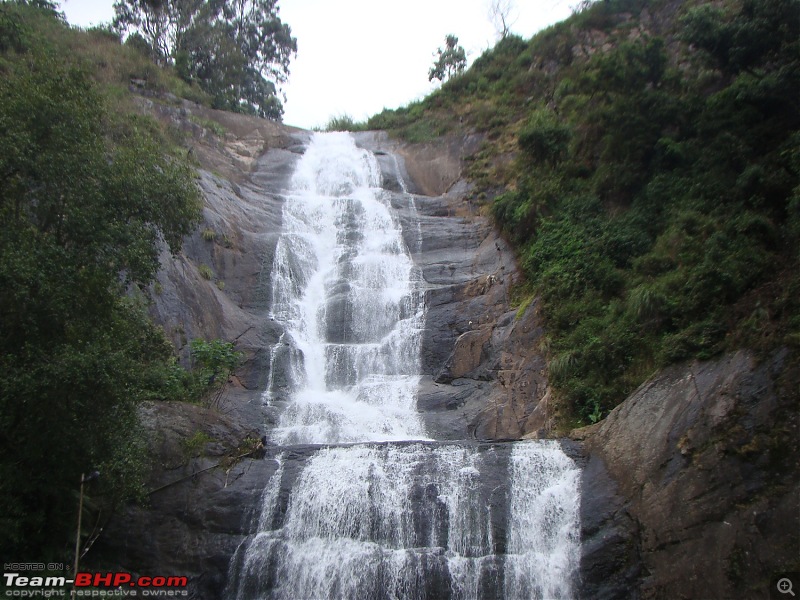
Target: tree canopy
<point>87,195</point>
<point>238,51</point>
<point>452,59</point>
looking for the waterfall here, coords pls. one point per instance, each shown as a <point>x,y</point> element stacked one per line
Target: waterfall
<point>361,503</point>
<point>347,293</point>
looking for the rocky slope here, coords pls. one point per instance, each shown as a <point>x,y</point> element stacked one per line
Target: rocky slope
<point>482,375</point>
<point>690,487</point>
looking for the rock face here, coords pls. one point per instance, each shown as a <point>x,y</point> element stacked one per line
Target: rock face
<point>692,487</point>
<point>689,488</point>
<point>206,477</point>
<point>195,515</point>
<point>217,287</point>
<point>480,378</point>
<point>483,376</point>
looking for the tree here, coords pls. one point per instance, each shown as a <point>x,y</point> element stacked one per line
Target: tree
<point>238,51</point>
<point>452,60</point>
<point>47,6</point>
<point>86,197</point>
<point>500,14</point>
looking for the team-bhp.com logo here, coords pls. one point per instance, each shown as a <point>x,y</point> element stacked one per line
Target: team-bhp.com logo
<point>110,584</point>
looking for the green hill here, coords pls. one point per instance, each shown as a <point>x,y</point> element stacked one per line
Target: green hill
<point>643,158</point>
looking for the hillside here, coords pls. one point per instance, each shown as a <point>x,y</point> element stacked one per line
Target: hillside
<point>92,192</point>
<point>639,164</point>
<point>643,158</point>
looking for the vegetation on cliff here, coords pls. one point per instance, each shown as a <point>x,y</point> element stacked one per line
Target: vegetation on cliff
<point>87,198</point>
<point>644,160</point>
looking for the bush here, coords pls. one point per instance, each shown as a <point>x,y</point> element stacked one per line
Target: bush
<point>77,353</point>
<point>344,122</point>
<point>544,139</point>
<point>205,272</point>
<point>212,364</point>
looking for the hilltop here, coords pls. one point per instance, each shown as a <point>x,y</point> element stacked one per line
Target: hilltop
<point>643,158</point>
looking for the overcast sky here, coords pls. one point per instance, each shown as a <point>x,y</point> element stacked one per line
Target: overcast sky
<point>357,57</point>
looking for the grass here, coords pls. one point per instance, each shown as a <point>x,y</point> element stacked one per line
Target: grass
<point>649,188</point>
<point>115,66</point>
<point>344,122</point>
<point>216,128</point>
<point>205,272</point>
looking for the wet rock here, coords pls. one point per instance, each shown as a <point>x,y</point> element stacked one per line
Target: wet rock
<point>424,505</point>
<point>199,506</point>
<point>466,356</point>
<point>491,375</point>
<point>218,287</point>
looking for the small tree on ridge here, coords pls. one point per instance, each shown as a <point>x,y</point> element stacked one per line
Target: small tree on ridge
<point>452,60</point>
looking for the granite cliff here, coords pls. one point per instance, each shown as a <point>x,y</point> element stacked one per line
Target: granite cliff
<point>690,487</point>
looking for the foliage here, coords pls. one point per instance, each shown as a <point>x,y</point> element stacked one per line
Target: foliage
<point>195,445</point>
<point>452,60</point>
<point>216,128</point>
<point>100,54</point>
<point>654,192</point>
<point>216,357</point>
<point>237,51</point>
<point>86,198</point>
<point>212,364</point>
<point>544,139</point>
<point>205,271</point>
<point>412,123</point>
<point>675,215</point>
<point>344,122</point>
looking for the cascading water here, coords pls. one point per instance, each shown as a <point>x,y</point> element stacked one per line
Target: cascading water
<point>381,512</point>
<point>346,291</point>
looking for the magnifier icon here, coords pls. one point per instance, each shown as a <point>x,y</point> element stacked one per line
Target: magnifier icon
<point>785,586</point>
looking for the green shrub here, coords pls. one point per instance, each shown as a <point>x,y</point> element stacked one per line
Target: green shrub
<point>205,272</point>
<point>344,122</point>
<point>194,446</point>
<point>544,139</point>
<point>212,364</point>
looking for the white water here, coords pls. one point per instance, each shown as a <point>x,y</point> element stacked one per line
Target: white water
<point>384,521</point>
<point>345,288</point>
<point>543,545</point>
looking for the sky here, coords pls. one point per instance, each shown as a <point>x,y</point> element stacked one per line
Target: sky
<point>357,57</point>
